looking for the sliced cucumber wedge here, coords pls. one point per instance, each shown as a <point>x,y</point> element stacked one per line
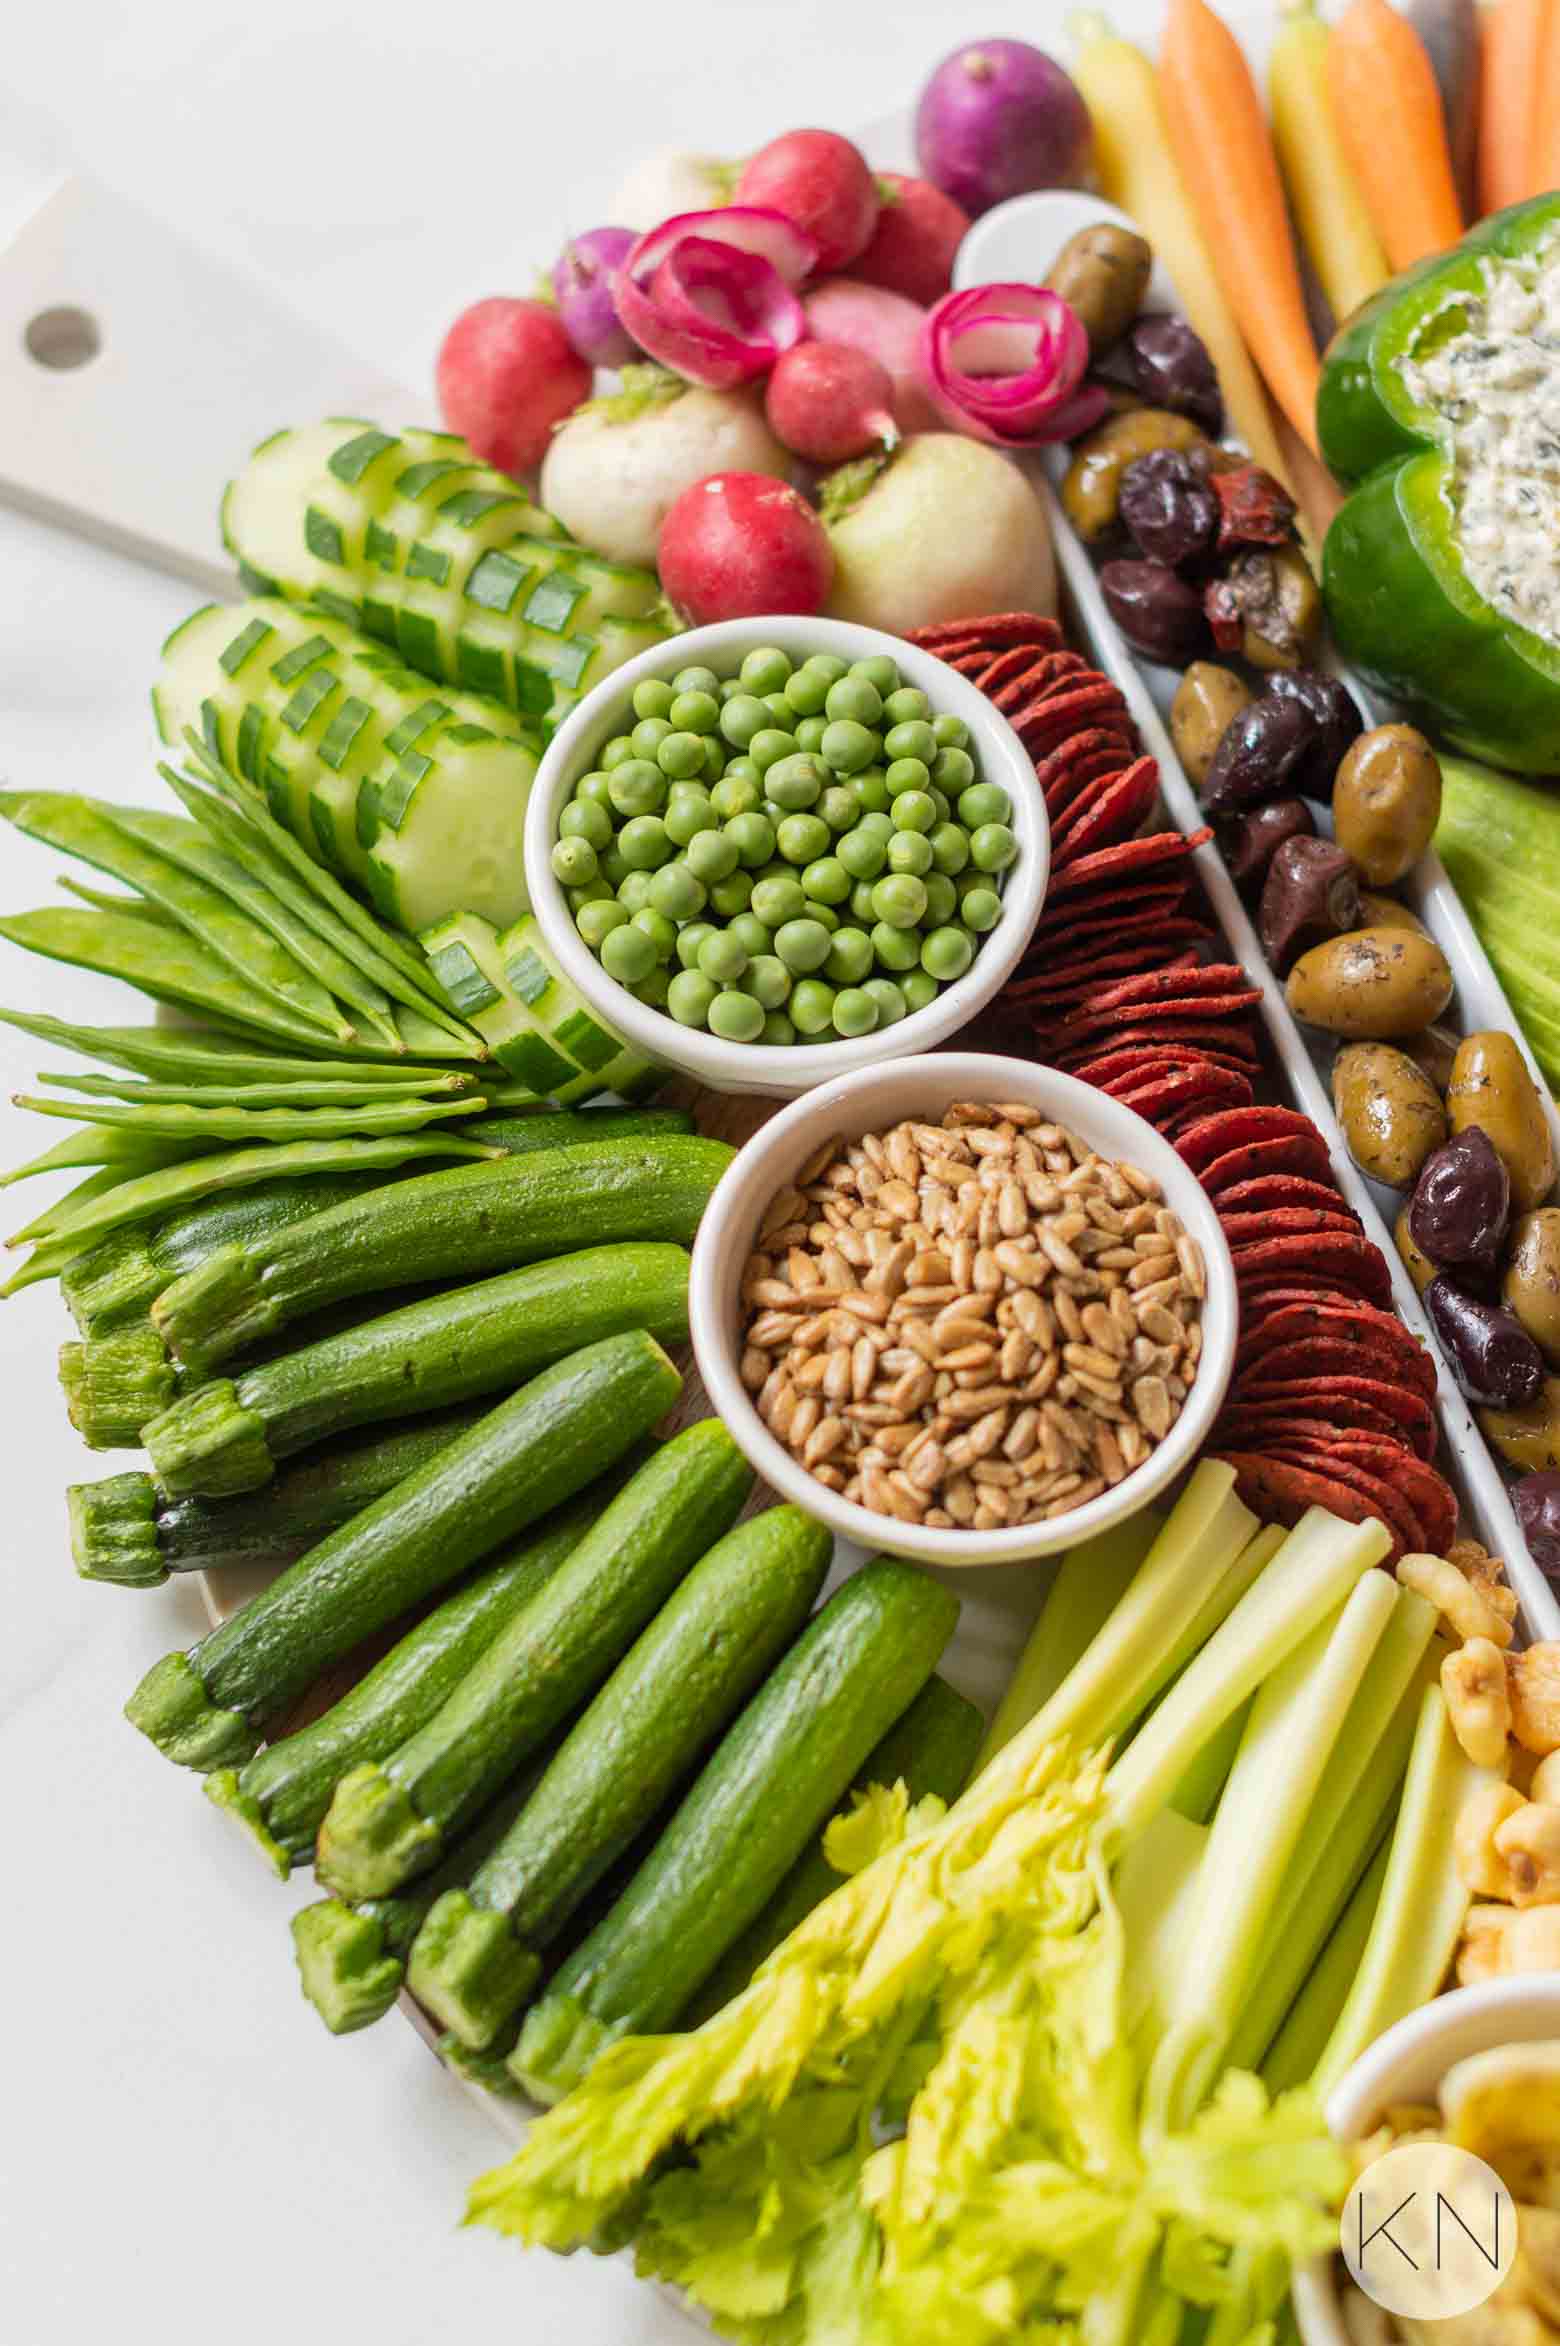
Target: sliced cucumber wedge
<point>538,1028</point>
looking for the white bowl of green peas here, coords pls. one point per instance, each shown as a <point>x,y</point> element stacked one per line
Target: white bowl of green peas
<point>775,850</point>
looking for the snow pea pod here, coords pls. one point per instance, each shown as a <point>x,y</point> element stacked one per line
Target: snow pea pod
<point>224,1124</point>
<point>94,1145</point>
<point>294,1092</point>
<point>206,1055</point>
<point>168,964</point>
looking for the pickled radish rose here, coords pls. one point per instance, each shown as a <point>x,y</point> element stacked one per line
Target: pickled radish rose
<point>740,544</point>
<point>507,375</point>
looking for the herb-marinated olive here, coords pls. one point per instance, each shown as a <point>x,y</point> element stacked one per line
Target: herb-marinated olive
<point>1091,486</point>
<point>1312,891</point>
<point>1338,720</point>
<point>1491,1354</point>
<point>1171,366</point>
<point>1158,613</point>
<point>1490,1086</point>
<point>1262,833</point>
<point>1271,594</point>
<point>1391,1114</point>
<point>1170,512</point>
<point>1462,1204</point>
<point>1264,747</point>
<point>1207,698</point>
<point>1527,1438</point>
<point>1536,1500</point>
<point>1531,1287</point>
<point>1385,912</point>
<point>1418,1266</point>
<point>1372,986</point>
<point>1387,801</point>
<point>1434,1050</point>
<point>1102,274</point>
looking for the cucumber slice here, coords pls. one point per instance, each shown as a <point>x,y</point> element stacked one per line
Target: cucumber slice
<point>538,1028</point>
<point>562,1014</point>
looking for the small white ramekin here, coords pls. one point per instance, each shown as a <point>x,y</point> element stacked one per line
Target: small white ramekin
<point>1407,2065</point>
<point>771,1072</point>
<point>925,1088</point>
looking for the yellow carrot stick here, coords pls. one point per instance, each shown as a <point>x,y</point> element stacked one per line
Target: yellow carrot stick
<point>1327,200</point>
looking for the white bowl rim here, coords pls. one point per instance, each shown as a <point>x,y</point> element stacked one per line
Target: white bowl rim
<point>953,1075</point>
<point>756,1067</point>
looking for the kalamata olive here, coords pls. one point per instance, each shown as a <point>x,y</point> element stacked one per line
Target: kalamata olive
<point>1311,891</point>
<point>1462,1203</point>
<point>1158,613</point>
<point>1269,594</point>
<point>1264,746</point>
<point>1091,485</point>
<point>1168,507</point>
<point>1262,833</point>
<point>1338,720</point>
<point>1536,1500</point>
<point>1491,1354</point>
<point>1172,368</point>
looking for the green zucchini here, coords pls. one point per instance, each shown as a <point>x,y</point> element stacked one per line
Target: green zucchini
<point>568,1128</point>
<point>452,1225</point>
<point>755,1806</point>
<point>537,1027</point>
<point>124,1532</point>
<point>116,1385</point>
<point>931,1750</point>
<point>203,1708</point>
<point>671,1695</point>
<point>282,1794</point>
<point>391,1821</point>
<point>230,1435</point>
<point>425,548</point>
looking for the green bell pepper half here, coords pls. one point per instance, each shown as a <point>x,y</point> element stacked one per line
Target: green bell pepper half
<point>1399,599</point>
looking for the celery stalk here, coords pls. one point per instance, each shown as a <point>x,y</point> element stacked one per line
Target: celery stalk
<point>1289,1740</point>
<point>1090,1582</point>
<point>1156,1888</point>
<point>1308,1579</point>
<point>1216,1607</point>
<point>1423,1902</point>
<point>1199,1791</point>
<point>1313,2016</point>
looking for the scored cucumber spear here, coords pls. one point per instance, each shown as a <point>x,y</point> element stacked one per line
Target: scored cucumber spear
<point>391,1821</point>
<point>204,1709</point>
<point>229,1435</point>
<point>478,1954</point>
<point>444,1226</point>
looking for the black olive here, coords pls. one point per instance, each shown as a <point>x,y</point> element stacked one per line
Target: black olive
<point>1536,1499</point>
<point>1168,507</point>
<point>1338,721</point>
<point>1462,1203</point>
<point>1171,367</point>
<point>1262,833</point>
<point>1263,748</point>
<point>1492,1356</point>
<point>1312,892</point>
<point>1158,613</point>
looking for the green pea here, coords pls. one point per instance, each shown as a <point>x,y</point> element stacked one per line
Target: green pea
<point>946,954</point>
<point>941,802</point>
<point>743,770</point>
<point>807,691</point>
<point>736,794</point>
<point>750,933</point>
<point>993,847</point>
<point>861,903</point>
<point>913,810</point>
<point>689,814</point>
<point>617,751</point>
<point>766,669</point>
<point>855,1012</point>
<point>889,999</point>
<point>598,919</point>
<point>661,932</point>
<point>627,954</point>
<point>796,782</point>
<point>896,949</point>
<point>742,717</point>
<point>712,856</point>
<point>637,787</point>
<point>801,838</point>
<point>676,890</point>
<point>614,866</point>
<point>689,996</point>
<point>848,746</point>
<point>870,790</point>
<point>838,807</point>
<point>776,901</point>
<point>779,710</point>
<point>879,671</point>
<point>878,823</point>
<point>654,989</point>
<point>721,958</point>
<point>583,819</point>
<point>906,706</point>
<point>694,712</point>
<point>802,945</point>
<point>907,775</point>
<point>912,740</point>
<point>730,686</point>
<point>767,980</point>
<point>951,732</point>
<point>634,891</point>
<point>777,1029</point>
<point>849,957</point>
<point>942,898</point>
<point>910,851</point>
<point>950,848</point>
<point>753,836</point>
<point>862,853</point>
<point>919,989</point>
<point>681,755</point>
<point>736,1018</point>
<point>829,666</point>
<point>715,755</point>
<point>696,680</point>
<point>769,746</point>
<point>828,915</point>
<point>854,700</point>
<point>592,892</point>
<point>984,802</point>
<point>652,697</point>
<point>811,1007</point>
<point>980,910</point>
<point>809,734</point>
<point>733,894</point>
<point>574,862</point>
<point>953,770</point>
<point>594,789</point>
<point>644,844</point>
<point>900,900</point>
<point>690,939</point>
<point>826,881</point>
<point>648,736</point>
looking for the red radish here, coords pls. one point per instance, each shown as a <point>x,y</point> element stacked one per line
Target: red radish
<point>820,181</point>
<point>887,328</point>
<point>739,545</point>
<point>828,402</point>
<point>919,229</point>
<point>507,374</point>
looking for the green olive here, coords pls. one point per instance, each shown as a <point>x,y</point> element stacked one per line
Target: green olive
<point>1281,605</point>
<point>1091,487</point>
<point>1531,1286</point>
<point>1373,985</point>
<point>1390,1111</point>
<point>1528,1439</point>
<point>1435,1051</point>
<point>1206,698</point>
<point>1102,274</point>
<point>1386,912</point>
<point>1492,1088</point>
<point>1418,1266</point>
<point>1387,801</point>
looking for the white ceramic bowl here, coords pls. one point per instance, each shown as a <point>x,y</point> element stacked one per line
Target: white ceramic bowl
<point>1407,2065</point>
<point>747,1067</point>
<point>867,1102</point>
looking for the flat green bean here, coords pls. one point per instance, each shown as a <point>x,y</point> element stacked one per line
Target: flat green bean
<point>168,964</point>
<point>254,1124</point>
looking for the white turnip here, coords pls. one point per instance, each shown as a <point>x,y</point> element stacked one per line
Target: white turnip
<point>946,529</point>
<point>669,182</point>
<point>507,374</point>
<point>828,402</point>
<point>740,545</point>
<point>887,328</point>
<point>820,181</point>
<point>615,470</point>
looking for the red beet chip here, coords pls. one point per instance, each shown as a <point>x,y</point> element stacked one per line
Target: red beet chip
<point>1299,1153</point>
<point>1164,1094</point>
<point>1041,724</point>
<point>1376,1335</point>
<point>1215,979</point>
<point>1259,1425</point>
<point>1110,809</point>
<point>1221,1134</point>
<point>1268,1190</point>
<point>997,628</point>
<point>1330,1395</point>
<point>1344,1250</point>
<point>1019,677</point>
<point>1227,1045</point>
<point>1288,1222</point>
<point>1385,1504</point>
<point>1132,856</point>
<point>1281,1492</point>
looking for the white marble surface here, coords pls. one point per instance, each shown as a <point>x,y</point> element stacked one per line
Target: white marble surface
<point>183,2153</point>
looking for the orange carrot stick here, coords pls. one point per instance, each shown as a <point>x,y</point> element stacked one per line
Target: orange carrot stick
<point>1543,171</point>
<point>1515,36</point>
<point>1218,128</point>
<point>1391,122</point>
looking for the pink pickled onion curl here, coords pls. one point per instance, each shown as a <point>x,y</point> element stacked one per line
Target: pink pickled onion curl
<point>1006,363</point>
<point>710,295</point>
